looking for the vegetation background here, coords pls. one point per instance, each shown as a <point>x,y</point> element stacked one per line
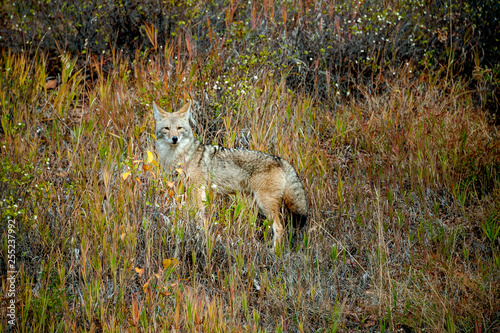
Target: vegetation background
<point>387,109</point>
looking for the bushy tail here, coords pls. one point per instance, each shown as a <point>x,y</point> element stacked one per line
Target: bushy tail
<point>294,197</point>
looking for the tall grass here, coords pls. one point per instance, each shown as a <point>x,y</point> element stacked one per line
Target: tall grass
<point>403,189</point>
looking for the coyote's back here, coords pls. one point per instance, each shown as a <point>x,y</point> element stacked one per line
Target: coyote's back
<point>270,179</point>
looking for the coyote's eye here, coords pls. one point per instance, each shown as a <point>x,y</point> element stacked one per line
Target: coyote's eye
<point>179,128</point>
<point>167,128</point>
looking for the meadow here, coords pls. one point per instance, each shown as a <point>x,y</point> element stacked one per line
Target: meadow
<point>398,150</point>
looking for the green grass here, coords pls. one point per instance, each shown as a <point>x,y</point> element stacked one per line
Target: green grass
<point>403,187</point>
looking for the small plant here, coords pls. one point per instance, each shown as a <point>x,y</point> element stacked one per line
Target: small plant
<point>491,227</point>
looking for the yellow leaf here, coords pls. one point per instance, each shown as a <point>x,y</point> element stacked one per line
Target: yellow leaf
<point>171,193</point>
<point>146,167</point>
<point>179,170</point>
<point>138,180</point>
<point>145,287</point>
<point>167,263</point>
<point>155,163</point>
<point>154,136</point>
<point>139,270</point>
<point>157,276</point>
<point>170,262</point>
<point>150,157</point>
<point>137,161</point>
<point>125,175</point>
<point>170,184</point>
<point>122,236</point>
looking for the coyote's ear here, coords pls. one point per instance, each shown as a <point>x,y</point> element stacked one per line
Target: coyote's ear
<point>159,112</point>
<point>185,110</point>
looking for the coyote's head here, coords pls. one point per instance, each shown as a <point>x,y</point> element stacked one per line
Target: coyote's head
<point>173,128</point>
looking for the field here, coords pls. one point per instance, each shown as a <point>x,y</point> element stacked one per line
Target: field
<point>397,146</point>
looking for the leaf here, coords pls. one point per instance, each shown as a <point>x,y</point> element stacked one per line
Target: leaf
<point>139,270</point>
<point>171,193</point>
<point>145,287</point>
<point>146,167</point>
<point>165,293</point>
<point>125,175</point>
<point>150,157</point>
<point>170,262</point>
<point>51,84</point>
<point>167,263</point>
<point>179,170</point>
<point>155,163</point>
<point>122,236</point>
<point>170,184</point>
<point>188,45</point>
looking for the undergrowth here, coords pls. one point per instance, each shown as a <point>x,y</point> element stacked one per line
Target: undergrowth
<point>401,166</point>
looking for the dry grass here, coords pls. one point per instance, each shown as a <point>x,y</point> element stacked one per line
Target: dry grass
<point>403,186</point>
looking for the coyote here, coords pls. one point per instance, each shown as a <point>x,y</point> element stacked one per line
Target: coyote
<point>270,179</point>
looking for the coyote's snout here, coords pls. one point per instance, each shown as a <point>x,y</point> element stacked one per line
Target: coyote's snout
<point>270,179</point>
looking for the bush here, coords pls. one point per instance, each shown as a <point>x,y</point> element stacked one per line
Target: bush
<point>328,49</point>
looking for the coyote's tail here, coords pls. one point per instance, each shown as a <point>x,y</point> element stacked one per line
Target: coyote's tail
<point>294,197</point>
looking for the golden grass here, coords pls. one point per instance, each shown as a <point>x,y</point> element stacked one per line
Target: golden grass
<point>403,189</point>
